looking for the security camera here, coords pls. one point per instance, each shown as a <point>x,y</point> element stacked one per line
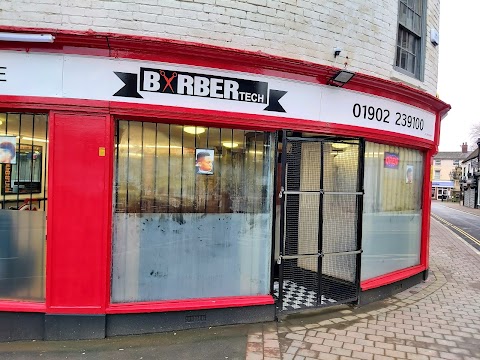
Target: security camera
<point>336,51</point>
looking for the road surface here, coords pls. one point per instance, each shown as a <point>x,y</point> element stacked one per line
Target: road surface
<point>464,224</point>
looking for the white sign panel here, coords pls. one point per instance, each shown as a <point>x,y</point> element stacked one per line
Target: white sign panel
<point>31,74</point>
<point>187,86</point>
<point>363,110</point>
<point>143,82</point>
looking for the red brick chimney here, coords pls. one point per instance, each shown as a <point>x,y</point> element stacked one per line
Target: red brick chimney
<point>464,148</point>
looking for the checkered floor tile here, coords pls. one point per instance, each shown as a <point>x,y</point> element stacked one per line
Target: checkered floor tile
<point>298,297</point>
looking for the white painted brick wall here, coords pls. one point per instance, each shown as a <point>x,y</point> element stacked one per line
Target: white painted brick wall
<point>366,30</point>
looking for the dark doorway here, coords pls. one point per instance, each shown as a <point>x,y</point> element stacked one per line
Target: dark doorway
<point>320,221</point>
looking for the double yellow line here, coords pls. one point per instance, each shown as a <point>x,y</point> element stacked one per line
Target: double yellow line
<point>461,231</point>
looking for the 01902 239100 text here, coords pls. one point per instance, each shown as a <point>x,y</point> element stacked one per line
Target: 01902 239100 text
<point>383,115</point>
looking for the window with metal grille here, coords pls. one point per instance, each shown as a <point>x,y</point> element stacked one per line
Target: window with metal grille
<point>156,169</point>
<point>409,54</point>
<point>23,204</point>
<point>189,227</point>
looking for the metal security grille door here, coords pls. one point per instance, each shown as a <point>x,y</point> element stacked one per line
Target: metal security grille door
<point>320,222</point>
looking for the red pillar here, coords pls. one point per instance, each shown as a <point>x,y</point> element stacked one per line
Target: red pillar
<point>79,209</point>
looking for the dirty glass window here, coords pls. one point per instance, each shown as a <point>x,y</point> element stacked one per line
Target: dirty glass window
<point>23,203</point>
<point>392,208</point>
<point>192,214</point>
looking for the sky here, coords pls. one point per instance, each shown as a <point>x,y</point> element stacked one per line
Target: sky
<point>459,71</point>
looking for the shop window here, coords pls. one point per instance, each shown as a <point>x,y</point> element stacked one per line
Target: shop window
<point>410,34</point>
<point>23,203</point>
<point>392,209</point>
<point>192,216</point>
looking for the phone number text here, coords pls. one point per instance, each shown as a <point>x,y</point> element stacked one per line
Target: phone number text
<point>383,115</point>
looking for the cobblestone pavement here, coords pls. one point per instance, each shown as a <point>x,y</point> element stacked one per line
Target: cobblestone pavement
<point>438,319</point>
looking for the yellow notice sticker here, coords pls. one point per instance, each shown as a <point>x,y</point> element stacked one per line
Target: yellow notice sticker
<point>101,151</point>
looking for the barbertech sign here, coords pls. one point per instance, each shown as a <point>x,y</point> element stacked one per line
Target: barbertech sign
<point>171,81</point>
<point>194,87</point>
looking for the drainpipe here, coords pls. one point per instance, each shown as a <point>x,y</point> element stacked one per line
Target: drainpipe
<point>477,190</point>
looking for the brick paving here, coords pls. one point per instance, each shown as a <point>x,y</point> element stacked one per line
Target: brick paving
<point>437,319</point>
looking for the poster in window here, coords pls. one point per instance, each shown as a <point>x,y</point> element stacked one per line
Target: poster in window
<point>25,176</point>
<point>8,154</point>
<point>409,174</point>
<point>204,159</point>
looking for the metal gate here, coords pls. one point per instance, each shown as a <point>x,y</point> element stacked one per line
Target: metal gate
<point>469,198</point>
<point>320,223</point>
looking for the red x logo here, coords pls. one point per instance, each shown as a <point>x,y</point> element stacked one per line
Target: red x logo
<point>168,80</point>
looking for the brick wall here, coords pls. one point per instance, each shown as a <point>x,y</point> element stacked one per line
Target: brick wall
<point>365,30</point>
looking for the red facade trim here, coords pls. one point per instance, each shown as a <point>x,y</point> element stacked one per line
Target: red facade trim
<point>40,104</point>
<point>21,306</point>
<point>109,143</point>
<point>192,304</point>
<point>391,277</point>
<point>50,249</point>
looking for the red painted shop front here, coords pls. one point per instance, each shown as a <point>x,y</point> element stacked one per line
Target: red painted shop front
<point>174,185</point>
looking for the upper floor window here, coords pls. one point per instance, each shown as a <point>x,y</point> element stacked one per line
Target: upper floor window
<point>456,162</point>
<point>409,56</point>
<point>438,162</point>
<point>437,175</point>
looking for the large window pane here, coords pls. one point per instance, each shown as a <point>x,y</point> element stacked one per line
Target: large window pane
<point>180,233</point>
<point>23,203</point>
<point>419,7</point>
<point>408,48</point>
<point>411,63</point>
<point>410,15</point>
<point>417,24</point>
<point>412,42</point>
<point>391,209</point>
<point>403,60</point>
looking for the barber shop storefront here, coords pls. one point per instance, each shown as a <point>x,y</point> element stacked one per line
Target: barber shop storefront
<point>148,192</point>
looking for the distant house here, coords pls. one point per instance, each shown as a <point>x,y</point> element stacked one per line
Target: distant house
<point>470,179</point>
<point>447,172</point>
